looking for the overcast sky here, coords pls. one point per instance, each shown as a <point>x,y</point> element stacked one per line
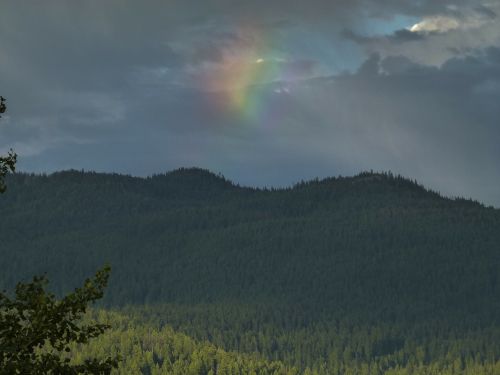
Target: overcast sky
<point>265,92</point>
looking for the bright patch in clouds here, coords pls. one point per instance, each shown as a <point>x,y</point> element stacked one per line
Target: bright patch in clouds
<point>468,20</point>
<point>436,24</point>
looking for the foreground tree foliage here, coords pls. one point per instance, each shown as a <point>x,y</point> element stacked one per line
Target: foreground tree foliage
<point>37,330</point>
<point>7,163</point>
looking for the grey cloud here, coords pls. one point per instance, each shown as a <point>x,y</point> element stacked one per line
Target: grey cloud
<point>397,65</point>
<point>207,52</point>
<point>468,29</point>
<point>437,124</point>
<point>355,37</point>
<point>95,45</point>
<point>399,36</point>
<point>404,35</point>
<point>486,11</point>
<point>102,86</point>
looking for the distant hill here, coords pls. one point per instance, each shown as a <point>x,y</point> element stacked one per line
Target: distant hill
<point>373,240</point>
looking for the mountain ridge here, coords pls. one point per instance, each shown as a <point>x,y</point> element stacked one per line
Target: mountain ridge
<point>203,178</point>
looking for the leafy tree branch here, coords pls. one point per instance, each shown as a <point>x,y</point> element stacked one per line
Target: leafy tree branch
<point>37,329</point>
<point>7,163</point>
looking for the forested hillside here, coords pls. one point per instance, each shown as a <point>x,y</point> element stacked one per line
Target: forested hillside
<point>367,274</point>
<point>190,236</point>
<point>150,349</point>
<point>336,347</point>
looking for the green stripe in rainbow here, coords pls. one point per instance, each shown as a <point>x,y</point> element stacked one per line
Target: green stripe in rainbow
<point>241,85</point>
<point>246,97</point>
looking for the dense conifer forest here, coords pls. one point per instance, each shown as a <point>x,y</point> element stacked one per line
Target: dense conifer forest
<point>371,274</point>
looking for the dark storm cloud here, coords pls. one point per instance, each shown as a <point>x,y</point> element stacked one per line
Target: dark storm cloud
<point>398,36</point>
<point>404,35</point>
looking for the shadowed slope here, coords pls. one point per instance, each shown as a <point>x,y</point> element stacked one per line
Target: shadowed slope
<point>374,242</point>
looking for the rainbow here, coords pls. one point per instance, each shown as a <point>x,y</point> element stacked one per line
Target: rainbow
<point>238,80</point>
<point>238,84</point>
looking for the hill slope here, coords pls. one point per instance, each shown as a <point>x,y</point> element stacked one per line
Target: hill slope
<point>190,236</point>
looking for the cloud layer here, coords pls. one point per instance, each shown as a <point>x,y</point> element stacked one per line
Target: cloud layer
<point>265,92</point>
